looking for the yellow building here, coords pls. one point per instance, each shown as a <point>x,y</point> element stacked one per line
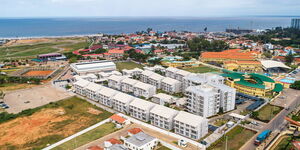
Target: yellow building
<point>180,63</point>
<point>243,66</point>
<point>252,84</point>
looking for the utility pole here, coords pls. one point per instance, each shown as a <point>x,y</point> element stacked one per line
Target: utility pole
<point>225,142</point>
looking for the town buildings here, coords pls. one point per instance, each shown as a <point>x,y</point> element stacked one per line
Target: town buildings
<point>163,99</point>
<point>141,89</point>
<point>140,109</point>
<point>121,101</point>
<point>114,81</point>
<point>295,23</point>
<point>170,85</point>
<point>141,141</point>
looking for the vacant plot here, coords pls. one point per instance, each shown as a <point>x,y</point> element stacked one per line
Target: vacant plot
<point>236,138</point>
<point>201,69</point>
<point>35,128</point>
<point>36,96</point>
<point>128,65</point>
<point>267,112</point>
<point>163,148</point>
<point>88,137</point>
<point>286,143</point>
<point>15,86</point>
<point>75,46</point>
<point>38,73</point>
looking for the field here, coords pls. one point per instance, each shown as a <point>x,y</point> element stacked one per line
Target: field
<point>15,86</point>
<point>90,136</point>
<point>128,65</point>
<point>236,138</point>
<point>35,128</point>
<point>201,69</point>
<point>38,73</point>
<point>31,48</point>
<point>163,148</point>
<point>268,112</point>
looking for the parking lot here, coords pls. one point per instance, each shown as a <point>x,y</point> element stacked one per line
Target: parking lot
<point>33,97</point>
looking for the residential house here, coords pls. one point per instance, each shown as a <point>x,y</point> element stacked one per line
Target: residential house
<point>127,85</point>
<point>140,109</point>
<point>144,90</point>
<point>114,81</point>
<point>141,141</point>
<point>170,85</point>
<point>121,102</point>
<point>105,96</point>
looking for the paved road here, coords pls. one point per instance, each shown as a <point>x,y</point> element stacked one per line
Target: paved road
<point>276,123</point>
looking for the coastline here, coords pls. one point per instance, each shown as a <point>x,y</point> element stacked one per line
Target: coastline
<point>48,37</point>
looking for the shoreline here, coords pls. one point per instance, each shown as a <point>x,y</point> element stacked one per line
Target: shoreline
<point>40,37</point>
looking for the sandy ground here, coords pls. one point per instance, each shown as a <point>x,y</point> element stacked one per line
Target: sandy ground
<point>26,41</point>
<point>123,132</point>
<point>38,73</point>
<point>19,100</point>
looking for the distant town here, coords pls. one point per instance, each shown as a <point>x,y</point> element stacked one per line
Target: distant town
<point>151,90</point>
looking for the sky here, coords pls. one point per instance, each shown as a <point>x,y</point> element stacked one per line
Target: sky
<point>150,8</point>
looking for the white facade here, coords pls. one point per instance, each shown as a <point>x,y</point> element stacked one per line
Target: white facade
<point>93,67</point>
<point>191,126</point>
<point>91,90</point>
<point>105,95</point>
<point>155,80</point>
<point>143,89</point>
<point>193,79</point>
<point>203,100</point>
<point>114,81</point>
<point>162,117</point>
<point>80,86</point>
<point>128,84</point>
<point>140,109</point>
<point>171,72</point>
<point>121,102</point>
<point>145,76</point>
<point>170,85</point>
<point>162,99</point>
<point>227,96</point>
<point>132,72</point>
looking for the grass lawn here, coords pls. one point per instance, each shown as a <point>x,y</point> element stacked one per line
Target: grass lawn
<point>90,136</point>
<point>236,138</point>
<point>163,148</point>
<point>286,143</point>
<point>201,69</point>
<point>128,65</point>
<point>268,112</point>
<point>48,124</point>
<point>75,46</point>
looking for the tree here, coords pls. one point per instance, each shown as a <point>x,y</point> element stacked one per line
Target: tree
<point>295,85</point>
<point>289,58</point>
<point>73,60</point>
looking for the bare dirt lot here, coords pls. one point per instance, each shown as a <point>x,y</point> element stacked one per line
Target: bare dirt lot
<point>19,100</point>
<point>38,73</point>
<point>49,124</point>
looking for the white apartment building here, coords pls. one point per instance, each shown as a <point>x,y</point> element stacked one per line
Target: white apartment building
<point>191,126</point>
<point>227,96</point>
<point>144,76</point>
<point>105,95</point>
<point>171,72</point>
<point>143,89</point>
<point>162,117</point>
<point>140,109</point>
<point>155,80</point>
<point>203,100</point>
<point>193,79</point>
<point>214,78</point>
<point>121,102</point>
<point>80,85</point>
<point>141,141</point>
<point>180,74</point>
<point>132,72</point>
<point>127,84</point>
<point>162,99</point>
<point>114,81</point>
<point>170,85</point>
<point>91,90</point>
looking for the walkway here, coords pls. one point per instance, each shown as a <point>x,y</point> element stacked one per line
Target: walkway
<point>77,134</point>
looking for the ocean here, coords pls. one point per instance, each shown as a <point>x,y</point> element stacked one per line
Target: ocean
<point>45,27</point>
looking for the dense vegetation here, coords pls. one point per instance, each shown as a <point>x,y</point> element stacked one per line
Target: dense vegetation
<point>9,79</point>
<point>295,85</point>
<point>291,35</point>
<point>201,44</point>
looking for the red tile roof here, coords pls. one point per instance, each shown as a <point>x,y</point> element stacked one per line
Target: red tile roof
<point>118,118</point>
<point>234,54</point>
<point>115,51</point>
<point>95,148</point>
<point>114,141</point>
<point>135,130</point>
